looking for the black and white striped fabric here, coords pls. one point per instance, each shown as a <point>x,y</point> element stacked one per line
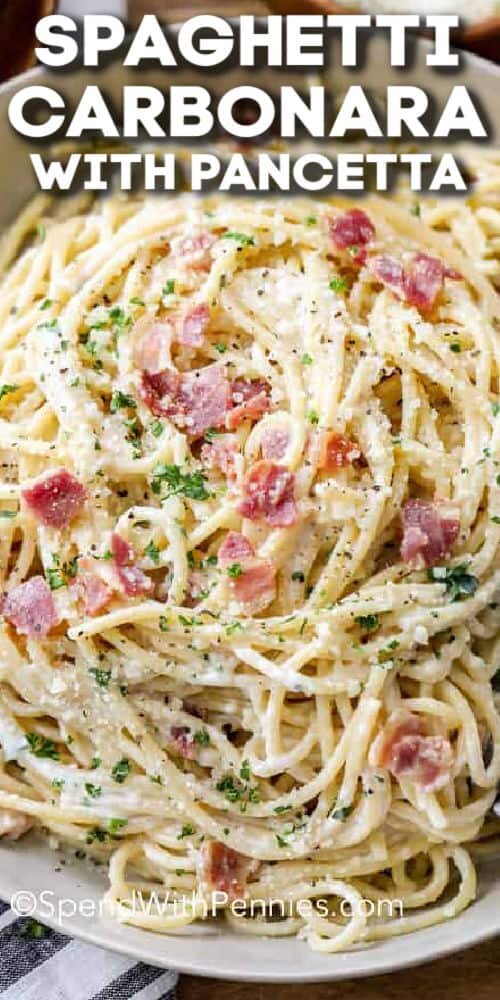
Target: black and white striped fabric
<point>40,964</point>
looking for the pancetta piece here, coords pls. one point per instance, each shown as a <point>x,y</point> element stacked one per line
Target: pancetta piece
<point>274,443</point>
<point>196,250</point>
<point>90,589</point>
<point>388,271</point>
<point>255,587</point>
<point>132,580</point>
<point>249,401</point>
<point>339,451</point>
<point>30,608</point>
<point>234,548</point>
<point>406,750</point>
<point>429,530</point>
<point>352,231</point>
<point>269,495</point>
<point>220,453</point>
<point>56,499</point>
<point>253,580</point>
<point>424,279</point>
<point>225,870</point>
<point>192,329</point>
<point>419,281</point>
<point>194,401</point>
<point>153,340</point>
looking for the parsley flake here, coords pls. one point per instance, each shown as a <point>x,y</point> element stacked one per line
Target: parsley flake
<point>121,770</point>
<point>42,747</point>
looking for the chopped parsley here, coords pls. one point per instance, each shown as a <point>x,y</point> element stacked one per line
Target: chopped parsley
<point>5,389</point>
<point>157,428</point>
<point>202,738</point>
<point>495,409</point>
<point>236,790</point>
<point>59,573</point>
<point>367,622</point>
<point>211,433</point>
<point>415,210</point>
<point>42,747</point>
<point>456,347</point>
<point>187,831</point>
<point>55,578</point>
<point>153,552</point>
<point>170,480</point>
<point>234,627</point>
<point>386,653</point>
<point>96,834</point>
<point>341,813</point>
<point>95,763</point>
<point>338,285</point>
<point>46,304</point>
<point>312,417</point>
<point>120,401</point>
<point>169,287</point>
<point>245,771</point>
<point>101,677</point>
<point>32,929</point>
<point>49,324</point>
<point>220,347</point>
<point>119,318</point>
<point>306,359</point>
<point>235,570</point>
<point>7,515</point>
<point>115,824</point>
<point>459,583</point>
<point>241,238</point>
<point>121,770</point>
<point>93,791</point>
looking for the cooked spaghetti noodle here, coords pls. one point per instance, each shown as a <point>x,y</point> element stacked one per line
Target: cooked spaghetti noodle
<point>249,550</point>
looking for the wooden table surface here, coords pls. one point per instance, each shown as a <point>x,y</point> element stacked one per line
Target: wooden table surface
<point>471,975</point>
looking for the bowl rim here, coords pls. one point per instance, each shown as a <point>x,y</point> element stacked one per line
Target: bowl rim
<point>423,946</point>
<point>173,951</point>
<point>473,29</point>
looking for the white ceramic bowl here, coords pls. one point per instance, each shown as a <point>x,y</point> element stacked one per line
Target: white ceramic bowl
<point>30,866</point>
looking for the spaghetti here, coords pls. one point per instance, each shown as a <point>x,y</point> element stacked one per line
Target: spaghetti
<point>249,550</point>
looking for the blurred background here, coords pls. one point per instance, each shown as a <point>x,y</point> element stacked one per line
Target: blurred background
<point>18,18</point>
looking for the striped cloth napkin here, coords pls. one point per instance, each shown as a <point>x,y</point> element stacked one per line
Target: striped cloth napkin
<point>40,964</point>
